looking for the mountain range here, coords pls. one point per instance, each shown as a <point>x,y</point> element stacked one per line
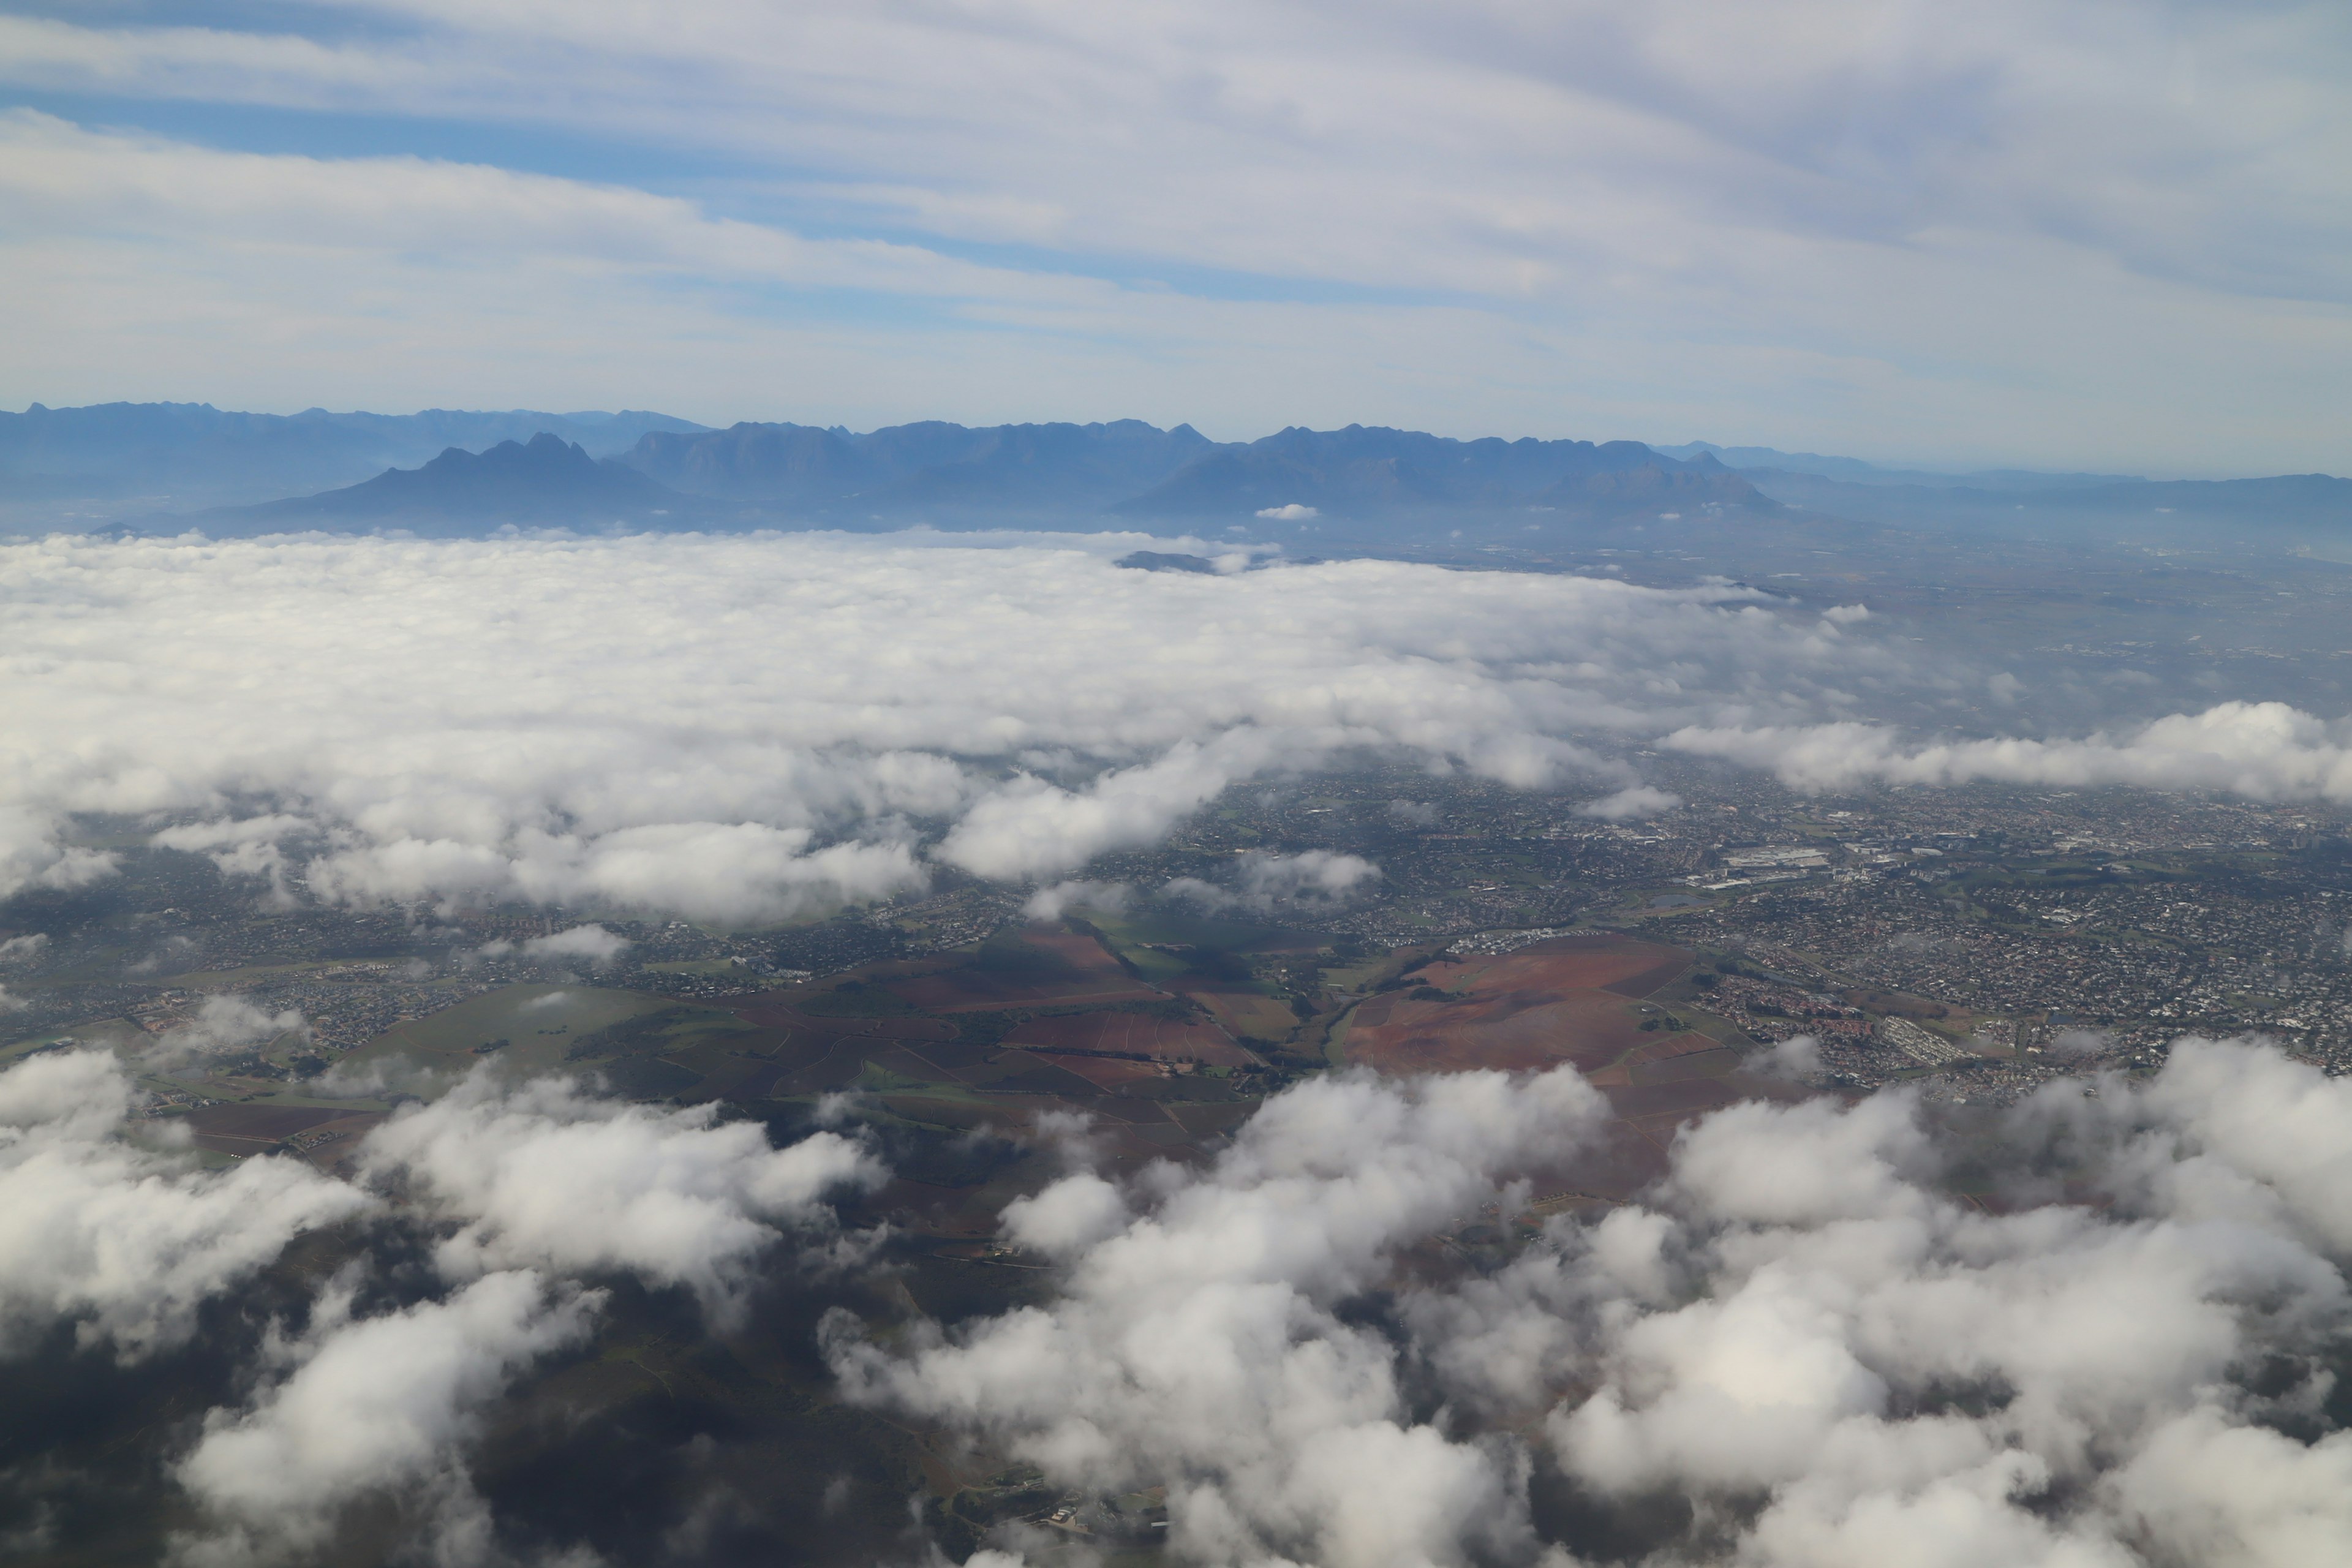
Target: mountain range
<point>155,467</point>
<point>181,455</point>
<point>545,481</point>
<point>1026,475</point>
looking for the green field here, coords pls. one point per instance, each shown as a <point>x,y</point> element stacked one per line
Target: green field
<point>540,1024</point>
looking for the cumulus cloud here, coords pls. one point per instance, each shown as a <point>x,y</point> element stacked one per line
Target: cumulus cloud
<point>31,857</point>
<point>1310,880</point>
<point>224,1024</point>
<point>592,944</point>
<point>541,1175</point>
<point>1799,1332</point>
<point>125,1241</point>
<point>369,1408</point>
<point>1051,903</point>
<point>377,1078</point>
<point>733,768</point>
<point>1858,1359</point>
<point>1197,1344</point>
<point>1632,803</point>
<point>1292,512</point>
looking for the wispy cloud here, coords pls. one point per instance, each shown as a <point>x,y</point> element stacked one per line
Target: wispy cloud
<point>1634,215</point>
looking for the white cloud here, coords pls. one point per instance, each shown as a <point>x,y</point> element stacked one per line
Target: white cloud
<point>124,1241</point>
<point>732,767</point>
<point>592,943</point>
<point>1196,1345</point>
<point>2265,750</point>
<point>1711,248</point>
<point>1799,1332</point>
<point>543,1177</point>
<point>224,1024</point>
<point>1632,803</point>
<point>1309,880</point>
<point>1293,512</point>
<point>379,1407</point>
<point>1051,903</point>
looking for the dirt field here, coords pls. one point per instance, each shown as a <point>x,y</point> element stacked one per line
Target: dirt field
<point>1040,966</point>
<point>1571,1000</point>
<point>252,1129</point>
<point>1139,1033</point>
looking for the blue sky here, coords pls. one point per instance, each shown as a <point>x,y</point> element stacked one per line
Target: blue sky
<point>2051,233</point>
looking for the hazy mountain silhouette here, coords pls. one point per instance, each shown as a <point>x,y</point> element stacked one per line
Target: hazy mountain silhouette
<point>545,481</point>
<point>2316,504</point>
<point>1374,471</point>
<point>191,454</point>
<point>1371,485</point>
<point>930,465</point>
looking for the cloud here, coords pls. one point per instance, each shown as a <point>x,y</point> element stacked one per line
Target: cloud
<point>733,768</point>
<point>1052,902</point>
<point>224,1024</point>
<point>2268,750</point>
<point>1310,880</point>
<point>1291,513</point>
<point>592,943</point>
<point>128,1242</point>
<point>1826,1291</point>
<point>539,1176</point>
<point>379,1407</point>
<point>1196,1344</point>
<point>2039,170</point>
<point>31,857</point>
<point>1630,803</point>
<point>377,1078</point>
<point>1799,1336</point>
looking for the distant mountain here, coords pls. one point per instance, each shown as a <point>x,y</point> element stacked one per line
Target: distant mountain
<point>930,466</point>
<point>191,454</point>
<point>2319,504</point>
<point>1364,471</point>
<point>1853,471</point>
<point>546,482</point>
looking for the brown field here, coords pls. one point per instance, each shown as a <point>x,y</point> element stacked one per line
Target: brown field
<point>1513,1030</point>
<point>1137,1033</point>
<point>1621,964</point>
<point>266,1122</point>
<point>1103,1073</point>
<point>1562,1001</point>
<point>1088,974</point>
<point>1246,1014</point>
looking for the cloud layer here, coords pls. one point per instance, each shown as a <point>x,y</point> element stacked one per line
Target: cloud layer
<point>1797,1349</point>
<point>1626,217</point>
<point>741,729</point>
<point>539,1175</point>
<point>125,1242</point>
<point>745,729</point>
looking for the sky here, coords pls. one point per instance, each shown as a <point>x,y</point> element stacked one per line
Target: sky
<point>2081,235</point>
